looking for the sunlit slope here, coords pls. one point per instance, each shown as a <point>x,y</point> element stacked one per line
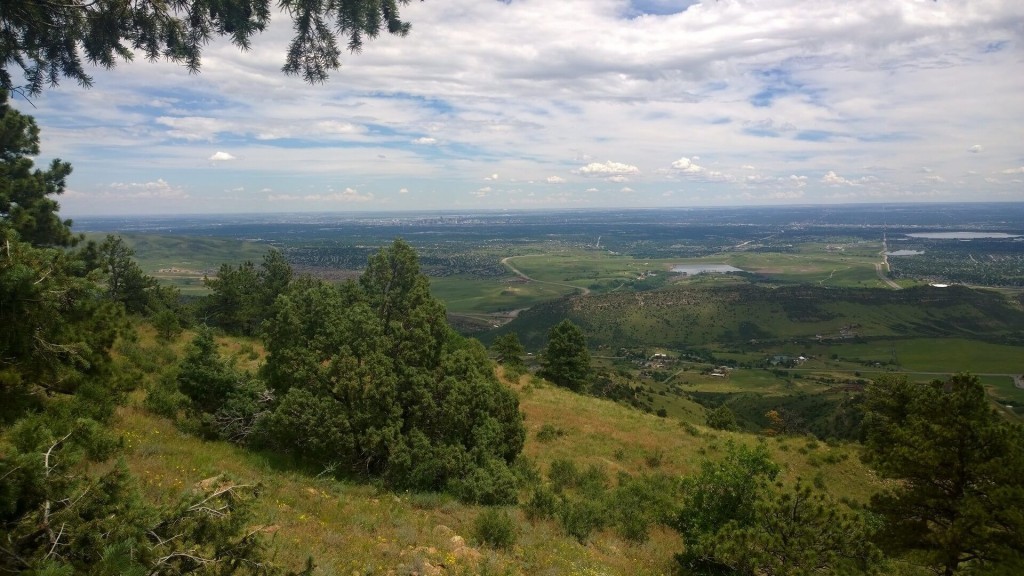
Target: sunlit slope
<point>352,526</point>
<point>730,314</point>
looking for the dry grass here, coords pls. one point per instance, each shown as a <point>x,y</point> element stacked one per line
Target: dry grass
<point>356,528</point>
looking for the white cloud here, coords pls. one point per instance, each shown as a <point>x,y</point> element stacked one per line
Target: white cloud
<point>347,195</point>
<point>221,157</point>
<point>626,190</point>
<point>1014,170</point>
<point>194,127</point>
<point>591,190</point>
<point>608,169</point>
<point>687,166</point>
<point>403,190</point>
<point>975,149</point>
<point>491,178</point>
<point>484,190</point>
<point>787,87</point>
<point>619,178</point>
<point>833,179</point>
<point>555,180</point>
<point>157,189</point>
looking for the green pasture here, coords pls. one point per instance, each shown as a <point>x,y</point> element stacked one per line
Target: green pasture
<point>581,267</point>
<point>943,355</point>
<point>155,252</point>
<point>462,294</point>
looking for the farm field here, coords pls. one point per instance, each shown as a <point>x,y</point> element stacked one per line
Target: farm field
<point>808,287</point>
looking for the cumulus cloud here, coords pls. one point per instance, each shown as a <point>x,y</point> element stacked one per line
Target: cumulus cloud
<point>425,140</point>
<point>1014,170</point>
<point>975,149</point>
<point>403,190</point>
<point>687,166</point>
<point>219,156</point>
<point>555,180</point>
<point>608,169</point>
<point>491,178</point>
<point>591,190</point>
<point>627,190</point>
<point>833,179</point>
<point>618,178</point>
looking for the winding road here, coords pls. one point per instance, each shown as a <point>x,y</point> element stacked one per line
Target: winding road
<point>505,262</point>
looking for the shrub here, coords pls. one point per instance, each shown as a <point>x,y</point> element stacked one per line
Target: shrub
<point>549,432</point>
<point>543,504</point>
<point>563,474</point>
<point>495,528</point>
<point>582,517</point>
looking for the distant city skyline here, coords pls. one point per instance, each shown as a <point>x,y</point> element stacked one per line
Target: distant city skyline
<point>524,104</point>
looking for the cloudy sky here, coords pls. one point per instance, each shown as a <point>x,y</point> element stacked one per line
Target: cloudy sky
<point>570,104</point>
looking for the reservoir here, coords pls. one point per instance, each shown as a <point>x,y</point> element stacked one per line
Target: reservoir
<point>704,268</point>
<point>960,235</point>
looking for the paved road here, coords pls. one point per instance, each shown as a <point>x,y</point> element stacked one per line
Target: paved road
<point>517,272</point>
<point>885,262</point>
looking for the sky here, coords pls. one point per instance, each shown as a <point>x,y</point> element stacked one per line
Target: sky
<point>535,104</point>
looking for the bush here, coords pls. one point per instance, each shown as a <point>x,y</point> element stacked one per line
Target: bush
<point>490,484</point>
<point>563,474</point>
<point>495,528</point>
<point>549,432</point>
<point>164,399</point>
<point>582,517</point>
<point>543,504</point>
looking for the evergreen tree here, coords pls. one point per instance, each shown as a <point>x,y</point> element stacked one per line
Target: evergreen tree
<point>126,282</point>
<point>371,376</point>
<point>960,470</point>
<point>566,360</point>
<point>26,204</point>
<point>49,40</point>
<point>722,418</point>
<point>509,350</point>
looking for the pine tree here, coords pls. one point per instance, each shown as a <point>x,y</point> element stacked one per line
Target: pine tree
<point>960,471</point>
<point>566,360</point>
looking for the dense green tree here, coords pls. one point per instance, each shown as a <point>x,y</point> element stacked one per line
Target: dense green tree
<point>566,360</point>
<point>797,532</point>
<point>241,297</point>
<point>204,377</point>
<point>126,282</point>
<point>509,350</point>
<point>48,40</point>
<point>370,376</point>
<point>960,468</point>
<point>57,327</point>
<point>735,522</point>
<point>26,204</point>
<point>722,493</point>
<point>722,418</point>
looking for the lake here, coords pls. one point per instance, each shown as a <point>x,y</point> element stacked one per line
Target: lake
<point>704,268</point>
<point>960,235</point>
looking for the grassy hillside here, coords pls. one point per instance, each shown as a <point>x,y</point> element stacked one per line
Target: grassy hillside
<point>729,314</point>
<point>351,526</point>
